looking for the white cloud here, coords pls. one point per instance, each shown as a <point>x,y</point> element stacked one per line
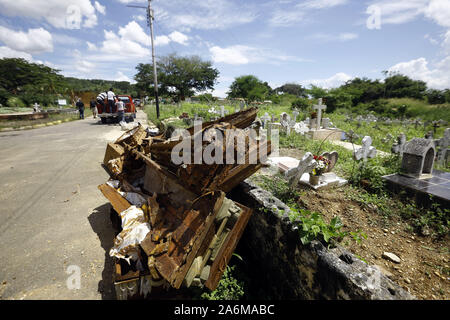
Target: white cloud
<point>67,14</point>
<point>439,11</point>
<point>35,41</point>
<point>332,82</point>
<point>446,42</point>
<point>120,76</point>
<point>289,16</point>
<point>179,37</point>
<point>418,69</point>
<point>241,54</point>
<point>91,46</point>
<point>100,8</point>
<point>6,52</point>
<point>342,37</point>
<point>234,55</point>
<point>402,11</point>
<point>204,14</point>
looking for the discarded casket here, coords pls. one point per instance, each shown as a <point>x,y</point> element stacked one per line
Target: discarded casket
<point>178,229</point>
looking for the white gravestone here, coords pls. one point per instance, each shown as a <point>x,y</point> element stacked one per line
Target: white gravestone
<point>320,107</point>
<point>399,146</point>
<point>306,165</point>
<point>366,151</point>
<point>443,147</point>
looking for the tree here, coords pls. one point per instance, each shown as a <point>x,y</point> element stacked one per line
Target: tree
<point>250,88</point>
<point>316,92</point>
<point>292,88</point>
<point>300,103</point>
<point>400,86</point>
<point>436,96</point>
<point>31,82</point>
<point>178,77</point>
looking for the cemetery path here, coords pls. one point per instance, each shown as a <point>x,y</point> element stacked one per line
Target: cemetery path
<point>53,215</point>
<point>352,147</point>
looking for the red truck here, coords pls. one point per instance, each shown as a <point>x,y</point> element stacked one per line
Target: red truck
<point>130,110</point>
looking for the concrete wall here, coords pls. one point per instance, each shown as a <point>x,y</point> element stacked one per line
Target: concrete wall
<point>286,269</point>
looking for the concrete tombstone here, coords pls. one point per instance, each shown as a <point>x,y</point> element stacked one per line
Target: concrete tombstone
<point>418,158</point>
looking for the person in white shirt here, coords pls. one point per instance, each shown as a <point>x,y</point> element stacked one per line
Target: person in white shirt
<point>120,109</point>
<point>111,101</point>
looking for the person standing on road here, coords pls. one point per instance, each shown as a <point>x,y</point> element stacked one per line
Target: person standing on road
<point>111,101</point>
<point>120,109</point>
<point>80,106</point>
<point>93,107</point>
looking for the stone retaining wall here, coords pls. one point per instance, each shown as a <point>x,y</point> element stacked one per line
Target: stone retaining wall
<point>286,269</point>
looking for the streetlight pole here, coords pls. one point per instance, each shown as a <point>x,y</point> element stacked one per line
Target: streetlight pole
<point>150,18</point>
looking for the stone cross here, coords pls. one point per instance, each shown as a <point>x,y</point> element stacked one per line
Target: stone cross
<point>295,114</point>
<point>399,145</point>
<point>306,165</point>
<point>319,107</point>
<point>443,147</point>
<point>265,119</point>
<point>352,136</point>
<point>436,125</point>
<point>366,151</point>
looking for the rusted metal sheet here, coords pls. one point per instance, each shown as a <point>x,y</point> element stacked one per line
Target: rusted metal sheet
<point>192,225</point>
<point>118,202</point>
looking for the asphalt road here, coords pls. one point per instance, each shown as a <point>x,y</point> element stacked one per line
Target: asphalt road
<point>53,219</point>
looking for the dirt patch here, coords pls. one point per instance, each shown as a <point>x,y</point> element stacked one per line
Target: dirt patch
<point>423,270</point>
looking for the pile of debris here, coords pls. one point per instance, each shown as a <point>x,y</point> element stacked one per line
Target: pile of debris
<point>178,229</point>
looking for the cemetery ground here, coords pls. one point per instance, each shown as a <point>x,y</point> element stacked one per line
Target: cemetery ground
<point>373,220</point>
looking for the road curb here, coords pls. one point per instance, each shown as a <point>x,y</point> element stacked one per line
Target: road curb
<point>37,126</point>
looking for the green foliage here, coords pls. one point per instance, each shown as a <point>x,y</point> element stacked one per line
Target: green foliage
<point>300,104</point>
<point>292,89</point>
<point>400,86</point>
<point>312,226</point>
<point>249,88</point>
<point>436,96</point>
<point>31,82</point>
<point>178,77</point>
<point>229,288</point>
<point>316,92</point>
<point>15,102</point>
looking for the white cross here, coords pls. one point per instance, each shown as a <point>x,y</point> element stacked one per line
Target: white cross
<point>306,165</point>
<point>319,109</point>
<point>265,119</point>
<point>443,146</point>
<point>366,151</point>
<point>399,145</point>
<point>295,114</point>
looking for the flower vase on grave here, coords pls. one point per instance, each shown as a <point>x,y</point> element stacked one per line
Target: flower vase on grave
<point>314,180</point>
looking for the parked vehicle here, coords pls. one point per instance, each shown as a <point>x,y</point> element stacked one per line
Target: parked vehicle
<point>130,110</point>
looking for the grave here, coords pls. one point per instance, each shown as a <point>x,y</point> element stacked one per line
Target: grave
<point>298,171</point>
<point>417,176</point>
<point>318,132</point>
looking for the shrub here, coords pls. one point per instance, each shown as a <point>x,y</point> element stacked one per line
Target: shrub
<point>15,102</point>
<point>300,104</point>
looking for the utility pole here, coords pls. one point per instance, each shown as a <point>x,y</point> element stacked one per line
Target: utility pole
<point>150,18</point>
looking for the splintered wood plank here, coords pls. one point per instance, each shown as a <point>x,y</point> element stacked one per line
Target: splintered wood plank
<point>118,202</point>
<point>228,247</point>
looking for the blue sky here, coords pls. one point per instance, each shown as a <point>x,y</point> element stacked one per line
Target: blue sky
<point>323,42</point>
